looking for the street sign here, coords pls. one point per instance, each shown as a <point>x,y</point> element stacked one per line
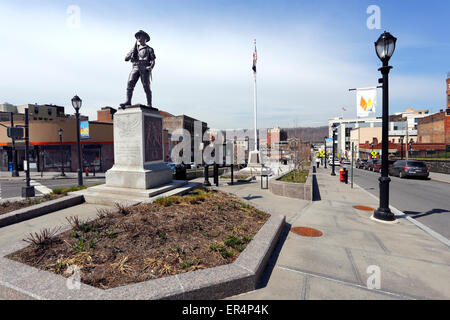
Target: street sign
<point>374,154</point>
<point>15,133</point>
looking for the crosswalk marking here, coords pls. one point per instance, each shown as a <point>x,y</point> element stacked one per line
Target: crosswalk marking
<point>39,187</point>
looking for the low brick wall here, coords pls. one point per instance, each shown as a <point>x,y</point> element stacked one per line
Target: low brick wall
<point>440,166</point>
<point>291,189</point>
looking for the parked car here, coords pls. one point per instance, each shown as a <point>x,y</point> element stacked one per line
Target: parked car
<point>336,162</point>
<point>172,166</point>
<point>193,165</point>
<point>377,165</point>
<point>345,161</point>
<point>369,165</point>
<point>360,163</point>
<point>410,168</point>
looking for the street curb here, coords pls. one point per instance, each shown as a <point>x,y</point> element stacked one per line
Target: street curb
<point>39,209</point>
<point>401,214</point>
<point>214,283</point>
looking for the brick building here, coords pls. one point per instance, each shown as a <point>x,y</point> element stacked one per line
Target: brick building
<point>172,123</point>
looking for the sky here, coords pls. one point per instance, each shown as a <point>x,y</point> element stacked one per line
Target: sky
<point>309,54</point>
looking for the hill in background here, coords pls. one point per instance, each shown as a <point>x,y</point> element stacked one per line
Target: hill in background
<point>312,134</point>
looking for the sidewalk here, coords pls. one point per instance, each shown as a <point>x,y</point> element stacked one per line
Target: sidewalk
<point>6,176</point>
<point>337,265</point>
<point>442,177</point>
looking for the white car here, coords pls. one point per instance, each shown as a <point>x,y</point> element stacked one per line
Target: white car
<point>336,162</point>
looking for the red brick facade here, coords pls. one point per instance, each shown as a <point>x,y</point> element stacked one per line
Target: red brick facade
<point>432,129</point>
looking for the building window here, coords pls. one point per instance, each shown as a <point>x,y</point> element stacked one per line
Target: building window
<point>36,110</point>
<point>49,112</point>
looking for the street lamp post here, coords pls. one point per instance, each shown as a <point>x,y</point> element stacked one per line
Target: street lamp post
<point>385,46</point>
<point>325,152</point>
<point>334,151</point>
<point>76,103</point>
<point>60,132</point>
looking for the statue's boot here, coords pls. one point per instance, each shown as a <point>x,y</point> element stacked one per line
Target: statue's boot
<point>129,96</point>
<point>149,98</point>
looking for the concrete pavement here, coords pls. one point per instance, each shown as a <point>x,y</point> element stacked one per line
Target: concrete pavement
<point>442,177</point>
<point>353,251</point>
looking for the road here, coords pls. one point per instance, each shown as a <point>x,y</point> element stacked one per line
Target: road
<point>426,201</point>
<point>11,189</point>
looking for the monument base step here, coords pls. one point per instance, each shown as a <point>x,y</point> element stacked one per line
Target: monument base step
<point>126,196</point>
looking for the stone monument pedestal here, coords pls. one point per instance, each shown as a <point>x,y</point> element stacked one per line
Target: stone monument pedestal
<point>254,166</point>
<point>138,150</point>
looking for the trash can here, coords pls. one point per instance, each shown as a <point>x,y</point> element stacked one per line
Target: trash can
<point>345,175</point>
<point>180,172</point>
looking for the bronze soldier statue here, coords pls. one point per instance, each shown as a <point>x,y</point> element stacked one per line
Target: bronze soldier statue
<point>143,59</point>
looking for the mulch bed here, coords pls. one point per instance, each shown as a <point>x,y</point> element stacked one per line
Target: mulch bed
<point>9,206</point>
<point>177,234</point>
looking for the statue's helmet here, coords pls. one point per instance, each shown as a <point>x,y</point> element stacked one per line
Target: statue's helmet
<point>143,33</point>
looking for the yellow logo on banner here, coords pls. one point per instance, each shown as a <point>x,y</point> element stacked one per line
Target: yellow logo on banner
<point>374,154</point>
<point>366,105</point>
<point>322,153</point>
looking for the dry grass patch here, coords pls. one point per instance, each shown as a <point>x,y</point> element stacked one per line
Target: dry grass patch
<point>173,235</point>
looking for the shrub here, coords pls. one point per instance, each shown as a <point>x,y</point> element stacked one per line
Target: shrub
<point>43,238</point>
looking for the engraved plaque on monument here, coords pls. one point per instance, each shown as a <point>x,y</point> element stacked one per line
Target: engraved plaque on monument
<point>138,149</point>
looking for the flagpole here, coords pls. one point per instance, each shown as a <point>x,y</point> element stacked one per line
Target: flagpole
<point>254,104</point>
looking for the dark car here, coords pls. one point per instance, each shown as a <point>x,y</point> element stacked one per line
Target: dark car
<point>360,163</point>
<point>369,164</point>
<point>410,168</point>
<point>377,165</point>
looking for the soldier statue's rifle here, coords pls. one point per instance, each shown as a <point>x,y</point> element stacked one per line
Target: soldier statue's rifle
<point>135,56</point>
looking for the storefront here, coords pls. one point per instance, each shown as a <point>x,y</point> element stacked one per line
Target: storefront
<point>48,153</point>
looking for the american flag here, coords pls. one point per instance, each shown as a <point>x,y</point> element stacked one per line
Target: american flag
<point>255,58</point>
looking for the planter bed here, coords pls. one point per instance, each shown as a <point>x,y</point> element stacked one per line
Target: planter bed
<point>280,185</point>
<point>172,236</point>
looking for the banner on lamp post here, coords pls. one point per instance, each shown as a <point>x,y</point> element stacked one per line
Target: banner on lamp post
<point>366,101</point>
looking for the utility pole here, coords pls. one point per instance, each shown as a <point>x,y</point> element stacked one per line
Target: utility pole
<point>407,140</point>
<point>353,151</point>
<point>28,190</point>
<point>14,173</point>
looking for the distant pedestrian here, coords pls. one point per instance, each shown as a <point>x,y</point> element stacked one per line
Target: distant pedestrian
<point>318,162</point>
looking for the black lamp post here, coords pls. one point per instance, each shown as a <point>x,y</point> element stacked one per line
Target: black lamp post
<point>60,132</point>
<point>76,103</point>
<point>401,147</point>
<point>325,139</point>
<point>385,46</point>
<point>334,151</point>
